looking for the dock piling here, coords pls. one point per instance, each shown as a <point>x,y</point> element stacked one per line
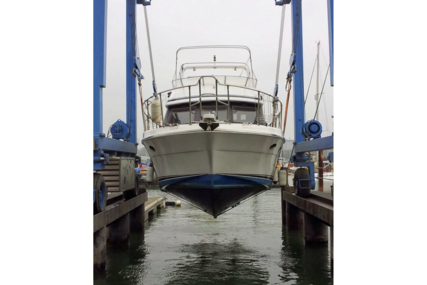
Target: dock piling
<point>291,215</point>
<point>113,225</point>
<point>118,231</point>
<point>283,207</point>
<point>331,246</point>
<point>137,219</point>
<point>315,231</point>
<point>100,249</point>
<point>314,214</point>
<point>153,211</point>
<point>294,217</point>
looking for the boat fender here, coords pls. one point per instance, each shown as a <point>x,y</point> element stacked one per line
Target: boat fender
<point>150,171</point>
<point>283,177</point>
<point>177,203</point>
<point>276,177</point>
<point>155,111</point>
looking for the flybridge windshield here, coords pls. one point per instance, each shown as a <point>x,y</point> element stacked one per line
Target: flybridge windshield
<point>214,60</point>
<point>215,68</point>
<point>224,80</point>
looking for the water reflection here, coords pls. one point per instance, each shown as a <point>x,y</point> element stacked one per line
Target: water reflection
<point>125,264</point>
<point>246,245</point>
<point>219,263</point>
<point>303,264</point>
<point>255,212</point>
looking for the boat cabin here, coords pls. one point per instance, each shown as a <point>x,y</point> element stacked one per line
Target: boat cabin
<point>239,112</point>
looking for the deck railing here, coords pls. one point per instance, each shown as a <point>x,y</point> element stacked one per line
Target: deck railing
<point>268,112</point>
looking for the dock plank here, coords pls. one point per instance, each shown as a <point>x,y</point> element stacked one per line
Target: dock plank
<point>319,209</point>
<point>153,203</point>
<point>113,212</point>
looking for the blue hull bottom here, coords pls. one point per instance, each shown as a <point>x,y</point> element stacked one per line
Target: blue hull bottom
<point>215,193</point>
<point>215,181</point>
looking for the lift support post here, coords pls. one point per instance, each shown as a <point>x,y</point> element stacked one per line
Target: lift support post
<point>123,144</point>
<point>102,144</point>
<point>302,145</point>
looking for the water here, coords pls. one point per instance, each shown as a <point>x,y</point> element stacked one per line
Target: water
<point>247,245</point>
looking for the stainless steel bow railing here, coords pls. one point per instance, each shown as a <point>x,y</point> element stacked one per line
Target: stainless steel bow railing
<point>271,106</point>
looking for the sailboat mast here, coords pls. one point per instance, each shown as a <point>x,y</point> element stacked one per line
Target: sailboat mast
<point>320,152</point>
<point>317,82</point>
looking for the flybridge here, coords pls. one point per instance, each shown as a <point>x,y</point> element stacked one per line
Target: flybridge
<point>225,60</point>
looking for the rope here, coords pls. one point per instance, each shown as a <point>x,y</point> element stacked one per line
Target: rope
<point>279,53</point>
<point>326,114</point>
<point>108,133</point>
<point>321,93</point>
<point>149,49</point>
<point>292,68</point>
<point>323,55</point>
<point>292,151</point>
<point>310,82</point>
<point>288,87</point>
<point>142,102</point>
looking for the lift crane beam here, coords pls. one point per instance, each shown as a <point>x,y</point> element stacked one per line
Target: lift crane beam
<point>303,144</point>
<point>99,62</point>
<point>102,144</point>
<point>299,113</point>
<point>130,64</point>
<point>315,145</point>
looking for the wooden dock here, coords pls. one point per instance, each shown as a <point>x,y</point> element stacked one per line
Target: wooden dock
<point>313,214</point>
<point>319,205</point>
<point>152,205</point>
<point>121,216</point>
<point>116,211</point>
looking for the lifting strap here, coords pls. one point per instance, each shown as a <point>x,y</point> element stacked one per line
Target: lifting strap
<point>276,88</point>
<point>149,49</point>
<point>137,75</point>
<point>288,87</point>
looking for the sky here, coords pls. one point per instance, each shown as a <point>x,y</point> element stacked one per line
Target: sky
<point>255,24</point>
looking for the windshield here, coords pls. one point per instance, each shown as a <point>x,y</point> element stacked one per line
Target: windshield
<point>180,115</point>
<point>239,113</point>
<point>244,114</point>
<point>222,111</point>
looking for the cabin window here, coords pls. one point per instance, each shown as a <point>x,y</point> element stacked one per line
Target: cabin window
<point>208,109</point>
<point>244,114</point>
<point>240,113</point>
<point>180,115</point>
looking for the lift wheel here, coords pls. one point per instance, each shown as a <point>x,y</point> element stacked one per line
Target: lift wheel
<point>100,193</point>
<point>302,183</point>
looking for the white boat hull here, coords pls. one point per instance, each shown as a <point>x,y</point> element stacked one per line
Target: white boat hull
<point>191,163</point>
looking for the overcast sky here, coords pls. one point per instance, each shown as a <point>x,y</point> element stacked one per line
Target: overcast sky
<point>256,24</point>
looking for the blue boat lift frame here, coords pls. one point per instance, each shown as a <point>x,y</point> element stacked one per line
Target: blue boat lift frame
<point>103,146</point>
<point>302,145</point>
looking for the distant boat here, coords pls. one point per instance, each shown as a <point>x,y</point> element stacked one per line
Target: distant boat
<point>214,139</point>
